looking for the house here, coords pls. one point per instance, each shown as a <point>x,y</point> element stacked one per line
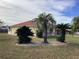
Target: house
<point>3,28</point>
<point>77,32</point>
<point>30,24</point>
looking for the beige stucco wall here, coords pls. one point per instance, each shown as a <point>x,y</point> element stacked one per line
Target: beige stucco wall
<point>12,30</point>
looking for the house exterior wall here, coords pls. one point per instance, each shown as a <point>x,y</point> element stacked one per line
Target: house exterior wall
<point>77,32</point>
<point>12,30</point>
<point>4,29</point>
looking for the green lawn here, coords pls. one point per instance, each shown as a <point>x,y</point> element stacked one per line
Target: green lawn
<point>8,49</point>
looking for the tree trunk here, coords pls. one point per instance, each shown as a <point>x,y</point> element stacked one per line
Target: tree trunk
<point>63,36</point>
<point>45,37</point>
<point>45,32</point>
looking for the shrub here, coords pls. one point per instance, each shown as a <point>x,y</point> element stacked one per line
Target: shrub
<point>39,34</point>
<point>23,34</point>
<point>62,32</point>
<point>59,38</point>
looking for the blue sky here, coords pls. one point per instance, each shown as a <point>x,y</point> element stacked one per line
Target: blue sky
<point>74,11</point>
<point>16,11</point>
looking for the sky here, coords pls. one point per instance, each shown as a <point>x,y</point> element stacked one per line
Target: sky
<point>17,11</point>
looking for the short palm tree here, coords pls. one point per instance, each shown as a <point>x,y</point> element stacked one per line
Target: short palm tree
<point>43,24</point>
<point>62,28</point>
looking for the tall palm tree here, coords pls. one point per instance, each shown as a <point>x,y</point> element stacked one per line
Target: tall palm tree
<point>43,21</point>
<point>75,24</point>
<point>62,28</point>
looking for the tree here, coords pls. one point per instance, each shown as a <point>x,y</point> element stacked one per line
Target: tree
<point>62,29</point>
<point>39,33</point>
<point>1,23</point>
<point>23,34</point>
<point>43,23</point>
<point>75,24</point>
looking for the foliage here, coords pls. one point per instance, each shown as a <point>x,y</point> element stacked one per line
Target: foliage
<point>62,31</point>
<point>39,34</point>
<point>44,22</point>
<point>75,24</point>
<point>23,34</point>
<point>1,23</point>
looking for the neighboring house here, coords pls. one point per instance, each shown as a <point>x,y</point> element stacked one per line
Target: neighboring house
<point>69,31</point>
<point>30,24</point>
<point>77,32</point>
<point>4,29</point>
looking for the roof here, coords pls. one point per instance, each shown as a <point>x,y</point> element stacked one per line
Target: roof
<point>27,23</point>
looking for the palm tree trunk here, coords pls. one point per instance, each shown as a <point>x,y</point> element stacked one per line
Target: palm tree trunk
<point>45,37</point>
<point>45,32</point>
<point>63,35</point>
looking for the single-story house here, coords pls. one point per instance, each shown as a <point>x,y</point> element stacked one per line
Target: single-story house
<point>31,24</point>
<point>4,29</point>
<point>77,32</point>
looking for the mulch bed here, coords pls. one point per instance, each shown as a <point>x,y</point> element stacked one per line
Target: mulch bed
<point>54,43</point>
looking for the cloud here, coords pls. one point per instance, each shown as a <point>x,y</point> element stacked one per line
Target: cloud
<point>63,19</point>
<point>15,11</point>
<point>62,5</point>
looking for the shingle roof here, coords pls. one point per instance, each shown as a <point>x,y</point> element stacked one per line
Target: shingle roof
<point>27,23</point>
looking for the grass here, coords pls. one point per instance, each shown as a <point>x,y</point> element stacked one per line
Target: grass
<point>8,49</point>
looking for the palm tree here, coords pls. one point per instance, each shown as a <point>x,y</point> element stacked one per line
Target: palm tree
<point>75,24</point>
<point>62,28</point>
<point>43,23</point>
